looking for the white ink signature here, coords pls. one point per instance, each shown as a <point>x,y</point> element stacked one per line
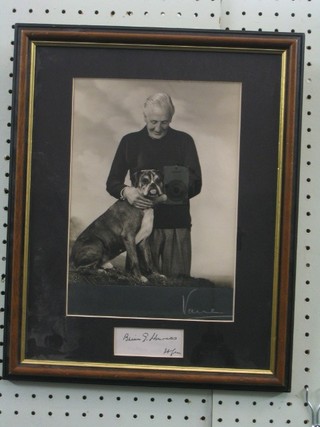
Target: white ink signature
<point>201,314</point>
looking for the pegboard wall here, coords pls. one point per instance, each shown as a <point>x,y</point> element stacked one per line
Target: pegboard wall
<point>30,404</point>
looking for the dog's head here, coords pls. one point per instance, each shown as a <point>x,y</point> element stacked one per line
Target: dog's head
<point>150,182</point>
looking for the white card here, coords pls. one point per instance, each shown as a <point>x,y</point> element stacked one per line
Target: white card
<point>148,342</point>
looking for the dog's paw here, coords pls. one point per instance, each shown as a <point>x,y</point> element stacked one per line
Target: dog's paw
<point>156,278</point>
<point>158,275</point>
<point>108,266</point>
<point>101,271</point>
<point>143,279</point>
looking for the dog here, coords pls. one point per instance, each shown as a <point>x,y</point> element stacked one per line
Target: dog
<point>122,228</point>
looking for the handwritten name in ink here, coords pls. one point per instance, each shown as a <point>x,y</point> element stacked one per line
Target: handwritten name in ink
<point>148,337</point>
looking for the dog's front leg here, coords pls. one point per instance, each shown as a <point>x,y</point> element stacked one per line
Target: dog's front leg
<point>146,259</point>
<point>130,245</point>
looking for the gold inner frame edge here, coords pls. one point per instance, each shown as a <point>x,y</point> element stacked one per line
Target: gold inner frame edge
<point>112,45</point>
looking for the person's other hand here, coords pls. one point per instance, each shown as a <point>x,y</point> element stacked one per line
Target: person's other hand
<point>161,199</point>
<point>136,199</point>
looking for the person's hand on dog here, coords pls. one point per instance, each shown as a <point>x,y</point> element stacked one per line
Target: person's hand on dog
<point>161,199</point>
<point>136,199</point>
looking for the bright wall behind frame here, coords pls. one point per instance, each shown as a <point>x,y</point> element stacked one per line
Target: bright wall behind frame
<point>32,404</point>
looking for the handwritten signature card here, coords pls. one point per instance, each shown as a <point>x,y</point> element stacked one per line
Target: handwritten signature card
<point>148,342</point>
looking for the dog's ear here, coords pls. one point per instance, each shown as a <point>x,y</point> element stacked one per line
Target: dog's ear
<point>160,173</point>
<point>135,178</point>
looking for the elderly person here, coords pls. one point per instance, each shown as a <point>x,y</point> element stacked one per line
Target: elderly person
<point>155,146</point>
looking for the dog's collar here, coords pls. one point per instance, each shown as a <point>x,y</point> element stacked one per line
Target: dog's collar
<point>122,193</point>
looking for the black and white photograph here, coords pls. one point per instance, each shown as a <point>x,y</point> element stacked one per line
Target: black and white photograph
<point>153,198</point>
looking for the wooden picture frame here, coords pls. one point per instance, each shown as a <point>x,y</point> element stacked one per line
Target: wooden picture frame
<point>229,324</point>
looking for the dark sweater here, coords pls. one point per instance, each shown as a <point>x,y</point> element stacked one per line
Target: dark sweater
<point>138,151</point>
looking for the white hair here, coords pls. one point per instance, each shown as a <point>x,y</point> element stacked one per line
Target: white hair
<point>162,100</point>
